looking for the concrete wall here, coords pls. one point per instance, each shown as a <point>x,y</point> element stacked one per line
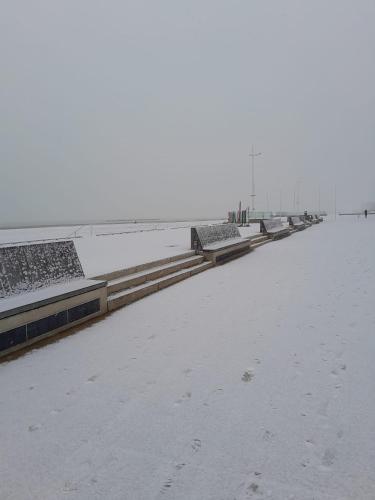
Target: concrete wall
<point>26,328</point>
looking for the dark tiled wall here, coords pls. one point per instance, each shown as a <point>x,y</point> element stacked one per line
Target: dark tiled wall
<point>45,325</point>
<point>42,326</point>
<point>12,337</point>
<point>78,312</point>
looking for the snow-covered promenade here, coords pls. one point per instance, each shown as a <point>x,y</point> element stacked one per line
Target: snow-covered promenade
<point>252,380</point>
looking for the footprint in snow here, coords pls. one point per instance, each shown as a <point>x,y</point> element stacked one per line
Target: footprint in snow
<point>55,411</point>
<point>268,435</point>
<point>196,445</point>
<point>253,488</point>
<point>69,486</point>
<point>329,457</point>
<point>33,428</point>
<point>248,375</point>
<point>219,389</point>
<point>169,482</point>
<point>183,398</point>
<point>166,486</point>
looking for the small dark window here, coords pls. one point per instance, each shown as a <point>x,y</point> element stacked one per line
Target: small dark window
<point>83,310</point>
<point>45,325</point>
<point>12,337</point>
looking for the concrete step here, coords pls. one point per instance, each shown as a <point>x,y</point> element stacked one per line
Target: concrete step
<point>137,278</point>
<point>257,241</point>
<point>142,267</point>
<point>256,245</point>
<point>130,295</point>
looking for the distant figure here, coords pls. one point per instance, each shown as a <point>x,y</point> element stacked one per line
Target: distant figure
<point>366,213</point>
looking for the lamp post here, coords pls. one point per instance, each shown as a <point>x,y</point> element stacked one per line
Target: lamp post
<point>319,200</point>
<point>335,200</point>
<point>252,155</point>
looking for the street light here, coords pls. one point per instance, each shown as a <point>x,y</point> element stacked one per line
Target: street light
<point>252,156</point>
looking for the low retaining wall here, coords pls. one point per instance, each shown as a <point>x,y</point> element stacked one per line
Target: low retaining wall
<point>26,328</point>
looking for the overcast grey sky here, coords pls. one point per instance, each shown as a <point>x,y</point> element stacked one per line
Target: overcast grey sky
<point>122,109</point>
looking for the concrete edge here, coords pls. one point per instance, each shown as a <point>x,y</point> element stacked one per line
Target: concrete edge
<point>142,267</point>
<point>51,300</point>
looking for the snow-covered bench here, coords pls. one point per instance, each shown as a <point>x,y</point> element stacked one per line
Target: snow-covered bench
<point>43,291</point>
<point>310,218</point>
<point>306,220</point>
<point>219,243</point>
<point>273,228</point>
<point>314,219</point>
<point>296,223</point>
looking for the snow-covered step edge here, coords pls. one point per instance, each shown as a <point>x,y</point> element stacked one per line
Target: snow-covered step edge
<point>260,240</point>
<point>125,282</point>
<point>256,245</point>
<point>142,286</point>
<point>128,296</point>
<point>141,267</point>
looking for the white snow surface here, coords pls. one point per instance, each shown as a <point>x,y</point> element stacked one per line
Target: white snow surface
<point>251,380</point>
<point>106,248</point>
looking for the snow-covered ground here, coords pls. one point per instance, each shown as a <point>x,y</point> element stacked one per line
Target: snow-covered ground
<point>252,380</point>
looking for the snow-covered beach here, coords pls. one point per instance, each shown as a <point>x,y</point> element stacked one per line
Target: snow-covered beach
<point>105,248</point>
<point>252,380</point>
